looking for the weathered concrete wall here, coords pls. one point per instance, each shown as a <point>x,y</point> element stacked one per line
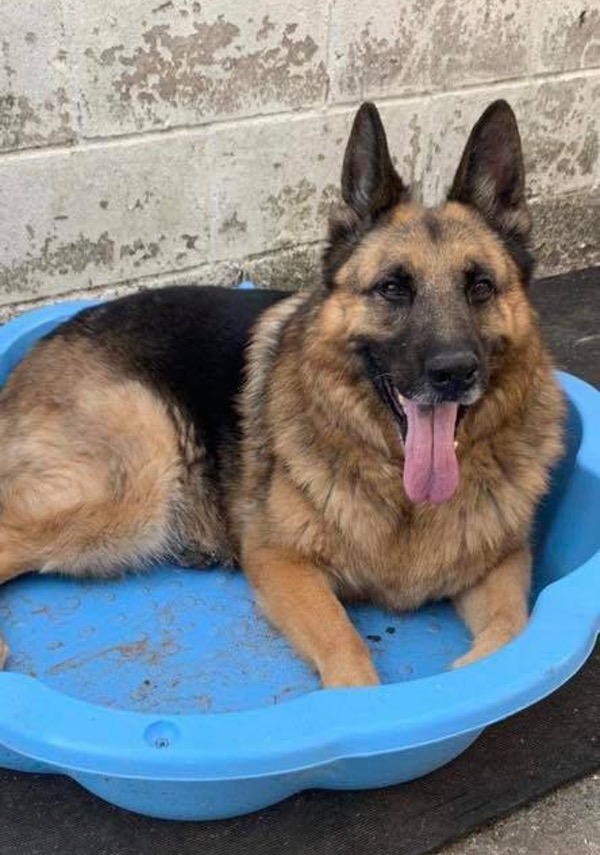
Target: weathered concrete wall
<point>145,142</point>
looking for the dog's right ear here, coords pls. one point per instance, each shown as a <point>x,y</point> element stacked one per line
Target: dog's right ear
<point>370,187</point>
<point>370,184</point>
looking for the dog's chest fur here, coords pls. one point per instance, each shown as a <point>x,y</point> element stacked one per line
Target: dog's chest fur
<point>377,546</point>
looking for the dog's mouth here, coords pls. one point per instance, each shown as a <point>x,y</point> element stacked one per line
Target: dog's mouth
<point>428,432</point>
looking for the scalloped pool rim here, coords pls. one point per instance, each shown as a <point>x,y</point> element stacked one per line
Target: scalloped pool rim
<point>297,745</point>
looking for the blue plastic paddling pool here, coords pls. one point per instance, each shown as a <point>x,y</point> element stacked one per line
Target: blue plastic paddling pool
<point>168,694</point>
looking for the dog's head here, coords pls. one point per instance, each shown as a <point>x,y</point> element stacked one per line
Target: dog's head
<point>431,298</point>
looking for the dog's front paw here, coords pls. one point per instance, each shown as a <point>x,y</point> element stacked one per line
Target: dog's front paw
<point>485,645</point>
<point>346,674</point>
<point>472,656</point>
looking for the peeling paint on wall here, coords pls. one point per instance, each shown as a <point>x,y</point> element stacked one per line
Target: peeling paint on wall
<point>570,38</point>
<point>161,68</point>
<point>143,142</point>
<point>383,49</point>
<point>22,126</point>
<point>54,258</point>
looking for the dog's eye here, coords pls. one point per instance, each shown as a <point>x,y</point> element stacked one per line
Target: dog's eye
<point>395,290</point>
<point>480,290</point>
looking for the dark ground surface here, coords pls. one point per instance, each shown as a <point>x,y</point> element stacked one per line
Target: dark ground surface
<point>550,744</point>
<point>569,308</point>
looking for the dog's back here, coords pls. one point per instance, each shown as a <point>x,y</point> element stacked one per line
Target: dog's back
<point>187,343</point>
<point>114,430</point>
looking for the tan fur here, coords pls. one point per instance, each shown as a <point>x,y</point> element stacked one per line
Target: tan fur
<point>496,608</point>
<point>93,474</point>
<point>296,595</point>
<point>322,469</point>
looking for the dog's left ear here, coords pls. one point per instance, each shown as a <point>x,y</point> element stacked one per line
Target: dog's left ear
<point>491,175</point>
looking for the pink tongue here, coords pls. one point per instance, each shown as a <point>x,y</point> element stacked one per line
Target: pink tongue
<point>430,465</point>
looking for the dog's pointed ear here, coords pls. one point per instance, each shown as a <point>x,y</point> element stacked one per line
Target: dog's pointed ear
<point>370,187</point>
<point>370,184</point>
<point>491,174</point>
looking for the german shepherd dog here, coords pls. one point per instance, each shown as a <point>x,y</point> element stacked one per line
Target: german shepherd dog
<point>384,437</point>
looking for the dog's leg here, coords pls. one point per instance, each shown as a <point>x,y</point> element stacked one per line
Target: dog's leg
<point>9,569</point>
<point>298,600</point>
<point>495,609</point>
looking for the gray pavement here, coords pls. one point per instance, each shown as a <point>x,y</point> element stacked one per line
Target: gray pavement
<point>566,822</point>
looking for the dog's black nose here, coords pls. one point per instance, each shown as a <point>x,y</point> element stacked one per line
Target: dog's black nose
<point>452,372</point>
